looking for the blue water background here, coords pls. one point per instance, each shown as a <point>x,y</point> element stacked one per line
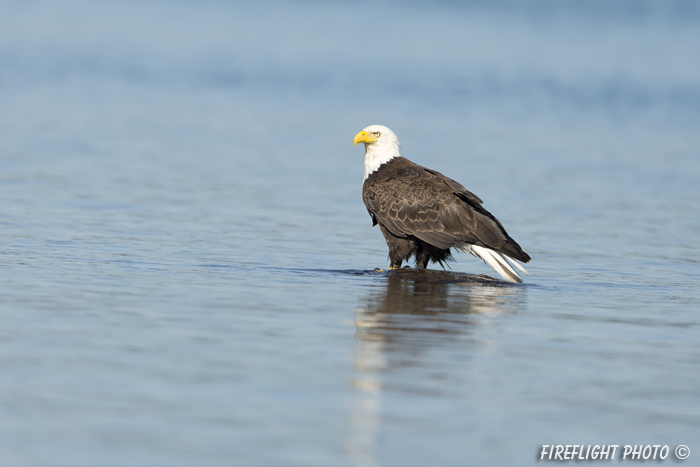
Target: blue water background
<point>182,236</point>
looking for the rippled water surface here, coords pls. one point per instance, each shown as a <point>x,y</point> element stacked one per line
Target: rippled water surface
<point>186,260</point>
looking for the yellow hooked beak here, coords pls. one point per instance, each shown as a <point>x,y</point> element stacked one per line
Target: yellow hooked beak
<point>364,137</point>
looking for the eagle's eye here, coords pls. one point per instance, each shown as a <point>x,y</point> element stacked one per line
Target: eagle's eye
<point>377,134</point>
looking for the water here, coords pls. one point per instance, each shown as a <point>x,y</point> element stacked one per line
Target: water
<point>184,244</point>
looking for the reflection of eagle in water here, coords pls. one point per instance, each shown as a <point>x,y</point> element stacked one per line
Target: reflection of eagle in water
<point>423,214</point>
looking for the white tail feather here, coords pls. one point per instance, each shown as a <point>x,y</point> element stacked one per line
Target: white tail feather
<point>516,264</point>
<point>496,260</point>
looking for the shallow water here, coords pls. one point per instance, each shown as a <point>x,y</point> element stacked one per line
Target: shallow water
<point>186,259</point>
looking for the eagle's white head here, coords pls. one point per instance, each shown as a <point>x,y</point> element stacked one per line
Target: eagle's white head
<point>381,145</point>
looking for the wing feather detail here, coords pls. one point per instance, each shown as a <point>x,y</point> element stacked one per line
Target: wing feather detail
<point>410,200</point>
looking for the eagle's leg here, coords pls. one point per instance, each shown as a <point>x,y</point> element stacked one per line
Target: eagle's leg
<point>395,265</point>
<point>422,259</point>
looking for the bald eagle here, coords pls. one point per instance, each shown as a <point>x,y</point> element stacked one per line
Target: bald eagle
<point>423,214</point>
